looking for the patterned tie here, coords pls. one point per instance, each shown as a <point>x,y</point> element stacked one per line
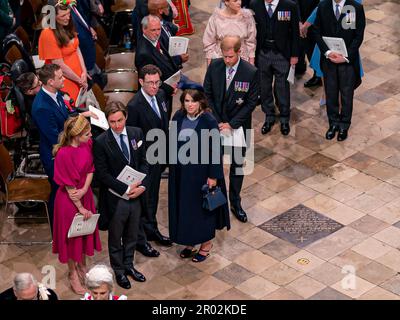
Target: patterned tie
<point>337,12</point>
<point>229,77</point>
<point>270,12</point>
<point>124,147</point>
<point>154,107</point>
<point>61,104</point>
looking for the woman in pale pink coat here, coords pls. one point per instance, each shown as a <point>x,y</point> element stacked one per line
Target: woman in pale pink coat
<point>231,20</point>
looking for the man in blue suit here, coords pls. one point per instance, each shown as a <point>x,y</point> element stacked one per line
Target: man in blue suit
<point>49,113</point>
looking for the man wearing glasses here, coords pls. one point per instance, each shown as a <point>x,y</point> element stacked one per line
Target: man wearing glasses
<point>148,110</point>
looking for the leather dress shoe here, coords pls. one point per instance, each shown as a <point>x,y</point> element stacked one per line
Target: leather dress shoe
<point>123,281</point>
<point>314,81</point>
<point>285,128</point>
<point>136,275</point>
<point>342,135</point>
<point>147,250</point>
<point>266,127</point>
<point>239,213</point>
<point>330,134</point>
<point>160,239</point>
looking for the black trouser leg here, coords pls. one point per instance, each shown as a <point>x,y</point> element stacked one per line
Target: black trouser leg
<point>236,175</point>
<point>266,77</point>
<point>151,198</point>
<point>346,75</point>
<point>331,80</point>
<point>281,86</point>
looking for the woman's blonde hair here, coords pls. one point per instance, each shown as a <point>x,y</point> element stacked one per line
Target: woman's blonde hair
<point>73,127</point>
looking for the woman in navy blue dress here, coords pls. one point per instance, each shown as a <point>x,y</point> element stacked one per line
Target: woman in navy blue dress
<point>189,223</point>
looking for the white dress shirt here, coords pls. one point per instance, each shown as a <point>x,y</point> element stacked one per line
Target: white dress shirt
<point>148,99</point>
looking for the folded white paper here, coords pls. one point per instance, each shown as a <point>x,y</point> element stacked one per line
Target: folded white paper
<point>174,79</point>
<point>290,76</point>
<point>102,121</point>
<point>37,62</point>
<point>128,175</point>
<point>336,44</point>
<point>233,138</point>
<point>79,227</point>
<point>177,46</point>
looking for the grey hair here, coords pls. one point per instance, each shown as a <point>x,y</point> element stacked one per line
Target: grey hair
<point>23,281</point>
<point>99,275</point>
<point>146,19</point>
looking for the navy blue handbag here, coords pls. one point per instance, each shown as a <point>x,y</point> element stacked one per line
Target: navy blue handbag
<point>212,198</point>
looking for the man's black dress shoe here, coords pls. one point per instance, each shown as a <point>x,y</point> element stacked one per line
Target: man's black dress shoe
<point>342,135</point>
<point>147,250</point>
<point>159,238</point>
<point>285,128</point>
<point>239,213</point>
<point>314,81</point>
<point>136,275</point>
<point>267,127</point>
<point>330,134</point>
<point>123,281</point>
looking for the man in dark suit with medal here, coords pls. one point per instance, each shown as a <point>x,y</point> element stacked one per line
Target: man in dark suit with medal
<point>150,50</point>
<point>231,87</point>
<point>340,19</point>
<point>277,50</point>
<point>148,110</point>
<point>160,8</point>
<point>120,206</point>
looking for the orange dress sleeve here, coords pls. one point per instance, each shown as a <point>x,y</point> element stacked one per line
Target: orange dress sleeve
<point>48,47</point>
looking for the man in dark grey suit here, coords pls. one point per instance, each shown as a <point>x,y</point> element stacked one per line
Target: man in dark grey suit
<point>277,50</point>
<point>148,111</point>
<point>231,88</point>
<point>114,149</point>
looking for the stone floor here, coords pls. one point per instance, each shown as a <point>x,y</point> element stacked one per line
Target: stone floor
<point>349,192</point>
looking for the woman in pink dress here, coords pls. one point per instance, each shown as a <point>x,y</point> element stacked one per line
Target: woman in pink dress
<point>73,172</point>
<point>235,21</point>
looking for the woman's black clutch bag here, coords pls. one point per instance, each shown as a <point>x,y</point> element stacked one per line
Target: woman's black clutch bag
<point>212,198</point>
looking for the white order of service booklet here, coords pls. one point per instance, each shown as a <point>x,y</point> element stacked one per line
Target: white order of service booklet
<point>128,175</point>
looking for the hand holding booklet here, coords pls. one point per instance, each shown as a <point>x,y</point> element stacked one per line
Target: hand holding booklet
<point>178,46</point>
<point>174,79</point>
<point>336,44</point>
<point>79,227</point>
<point>101,121</point>
<point>128,176</point>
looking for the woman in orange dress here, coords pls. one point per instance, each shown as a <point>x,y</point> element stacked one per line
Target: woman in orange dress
<point>61,46</point>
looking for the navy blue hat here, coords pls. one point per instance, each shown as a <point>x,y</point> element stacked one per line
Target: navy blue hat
<point>185,83</point>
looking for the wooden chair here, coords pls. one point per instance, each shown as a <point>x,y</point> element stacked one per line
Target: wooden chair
<point>122,81</point>
<point>13,54</point>
<point>121,96</point>
<point>99,94</point>
<point>19,190</point>
<point>24,37</point>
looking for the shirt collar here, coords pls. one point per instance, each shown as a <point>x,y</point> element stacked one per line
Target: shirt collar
<point>154,43</point>
<point>51,94</point>
<point>146,96</point>
<point>274,3</point>
<point>116,135</point>
<point>234,67</point>
<point>341,4</point>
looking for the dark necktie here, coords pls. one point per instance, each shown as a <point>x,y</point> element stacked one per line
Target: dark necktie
<point>158,46</point>
<point>124,147</point>
<point>337,12</point>
<point>270,11</point>
<point>61,105</point>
